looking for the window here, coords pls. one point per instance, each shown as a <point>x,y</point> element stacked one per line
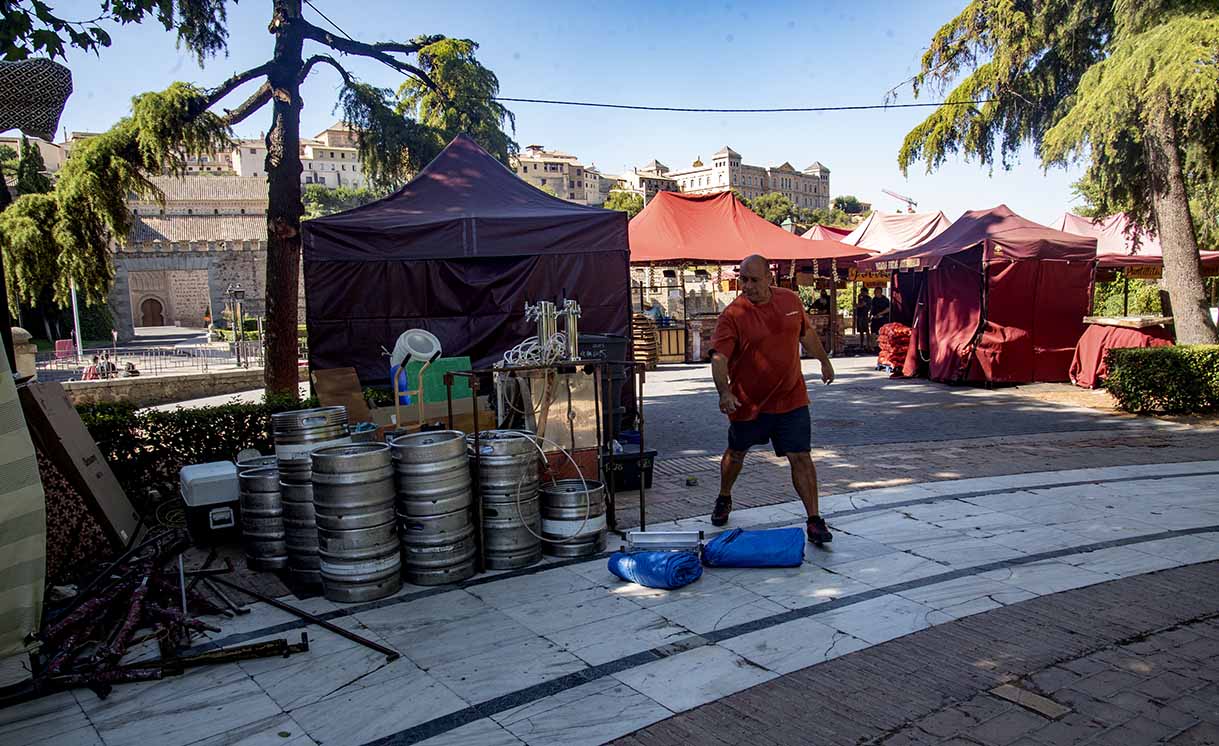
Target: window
<point>571,184</point>
<point>579,185</point>
<point>342,155</point>
<point>310,167</point>
<point>571,195</point>
<point>252,151</point>
<point>215,212</point>
<point>543,181</point>
<point>243,211</point>
<point>344,166</point>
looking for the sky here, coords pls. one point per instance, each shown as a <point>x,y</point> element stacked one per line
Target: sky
<point>691,54</point>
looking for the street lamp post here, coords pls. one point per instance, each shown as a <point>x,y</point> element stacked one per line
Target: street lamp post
<point>236,294</point>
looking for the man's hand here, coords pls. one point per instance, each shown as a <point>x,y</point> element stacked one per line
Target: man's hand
<point>827,372</point>
<point>728,402</point>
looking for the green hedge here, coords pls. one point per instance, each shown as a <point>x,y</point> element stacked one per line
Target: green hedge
<point>1174,380</point>
<point>147,448</point>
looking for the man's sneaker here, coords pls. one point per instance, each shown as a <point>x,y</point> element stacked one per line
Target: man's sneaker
<point>818,532</point>
<point>723,506</point>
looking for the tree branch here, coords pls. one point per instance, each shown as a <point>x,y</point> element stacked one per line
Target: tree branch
<point>381,52</point>
<point>252,104</point>
<point>219,92</point>
<point>309,63</point>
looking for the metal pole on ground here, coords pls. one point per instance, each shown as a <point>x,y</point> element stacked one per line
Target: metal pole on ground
<point>76,322</point>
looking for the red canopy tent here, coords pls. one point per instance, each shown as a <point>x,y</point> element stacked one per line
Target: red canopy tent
<point>1116,245</point>
<point>458,251</point>
<point>825,233</point>
<point>890,231</point>
<point>718,229</point>
<point>1001,298</point>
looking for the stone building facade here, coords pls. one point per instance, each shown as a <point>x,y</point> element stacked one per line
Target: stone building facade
<point>809,188</point>
<point>181,257</point>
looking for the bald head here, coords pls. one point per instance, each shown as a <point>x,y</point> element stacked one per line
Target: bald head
<point>755,278</point>
<point>755,262</point>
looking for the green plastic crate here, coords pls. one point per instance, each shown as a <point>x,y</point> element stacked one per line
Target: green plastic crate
<point>433,379</point>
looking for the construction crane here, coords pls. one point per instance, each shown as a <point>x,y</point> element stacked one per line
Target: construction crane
<point>910,204</point>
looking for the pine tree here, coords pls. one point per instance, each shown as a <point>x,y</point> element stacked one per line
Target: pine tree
<point>1129,87</point>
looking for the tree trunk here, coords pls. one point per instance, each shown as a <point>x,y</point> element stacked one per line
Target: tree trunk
<point>284,206</point>
<point>1175,227</point>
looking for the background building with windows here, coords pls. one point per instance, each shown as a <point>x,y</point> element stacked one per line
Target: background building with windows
<point>809,188</point>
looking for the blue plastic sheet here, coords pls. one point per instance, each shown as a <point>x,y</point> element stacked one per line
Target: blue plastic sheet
<point>657,569</point>
<point>776,547</point>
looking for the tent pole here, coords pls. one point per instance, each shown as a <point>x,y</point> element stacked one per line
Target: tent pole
<point>1125,294</point>
<point>833,303</point>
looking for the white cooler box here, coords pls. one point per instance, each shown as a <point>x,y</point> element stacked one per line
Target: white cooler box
<point>212,497</point>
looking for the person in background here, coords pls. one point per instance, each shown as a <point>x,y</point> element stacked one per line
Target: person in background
<point>755,363</point>
<point>863,308</point>
<point>880,310</point>
<point>655,312</point>
<point>107,368</point>
<point>129,370</point>
<point>91,373</point>
<point>822,304</point>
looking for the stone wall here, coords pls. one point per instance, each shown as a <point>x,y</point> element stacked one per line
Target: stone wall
<point>188,279</point>
<point>153,390</point>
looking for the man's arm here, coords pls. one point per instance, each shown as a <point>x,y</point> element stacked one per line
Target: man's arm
<point>719,374</point>
<point>811,342</point>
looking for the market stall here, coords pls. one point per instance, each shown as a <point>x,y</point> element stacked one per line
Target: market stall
<point>713,233</point>
<point>1000,299</point>
<point>825,233</point>
<point>1088,367</point>
<point>458,251</point>
<point>1120,246</point>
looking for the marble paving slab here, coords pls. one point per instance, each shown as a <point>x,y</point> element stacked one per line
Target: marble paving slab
<point>277,730</point>
<point>617,637</point>
<point>882,619</point>
<point>793,645</point>
<point>694,677</point>
<point>587,715</point>
<point>507,668</point>
<point>571,610</point>
<point>363,715</point>
<point>192,715</point>
<point>1184,549</point>
<point>1050,576</point>
<point>42,719</point>
<point>726,607</point>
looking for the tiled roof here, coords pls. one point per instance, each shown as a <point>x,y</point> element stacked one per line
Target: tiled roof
<point>212,188</point>
<point>148,228</point>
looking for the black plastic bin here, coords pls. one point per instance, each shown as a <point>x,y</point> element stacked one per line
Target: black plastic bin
<point>629,467</point>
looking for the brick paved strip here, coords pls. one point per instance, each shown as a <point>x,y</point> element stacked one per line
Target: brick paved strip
<point>1149,679</point>
<point>767,480</point>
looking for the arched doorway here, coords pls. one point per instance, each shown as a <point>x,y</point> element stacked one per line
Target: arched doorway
<point>152,313</point>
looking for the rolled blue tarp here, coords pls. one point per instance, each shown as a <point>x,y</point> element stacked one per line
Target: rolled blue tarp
<point>657,569</point>
<point>776,547</point>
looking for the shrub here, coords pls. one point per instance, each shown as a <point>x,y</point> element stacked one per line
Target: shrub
<point>1174,380</point>
<point>147,448</point>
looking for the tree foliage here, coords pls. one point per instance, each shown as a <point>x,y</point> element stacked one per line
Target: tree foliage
<point>31,176</point>
<point>1129,87</point>
<point>628,202</point>
<point>32,28</point>
<point>774,207</point>
<point>462,99</point>
<point>395,136</point>
<point>9,161</point>
<point>320,200</point>
<point>848,203</point>
<point>69,229</point>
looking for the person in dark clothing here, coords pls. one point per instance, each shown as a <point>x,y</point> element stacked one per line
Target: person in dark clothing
<point>822,303</point>
<point>880,310</point>
<point>863,307</point>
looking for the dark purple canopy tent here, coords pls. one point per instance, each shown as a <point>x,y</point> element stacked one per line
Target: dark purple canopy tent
<point>458,251</point>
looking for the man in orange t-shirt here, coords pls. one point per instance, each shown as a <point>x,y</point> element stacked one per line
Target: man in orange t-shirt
<point>755,361</point>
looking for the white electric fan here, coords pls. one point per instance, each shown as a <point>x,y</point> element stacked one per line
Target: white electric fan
<point>412,344</point>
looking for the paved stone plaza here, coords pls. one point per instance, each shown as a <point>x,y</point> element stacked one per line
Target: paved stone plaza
<point>997,586</point>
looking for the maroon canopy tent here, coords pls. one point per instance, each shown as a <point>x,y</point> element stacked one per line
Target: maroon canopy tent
<point>458,251</point>
<point>1000,298</point>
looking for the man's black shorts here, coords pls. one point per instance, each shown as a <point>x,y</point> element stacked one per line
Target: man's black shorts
<point>790,432</point>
